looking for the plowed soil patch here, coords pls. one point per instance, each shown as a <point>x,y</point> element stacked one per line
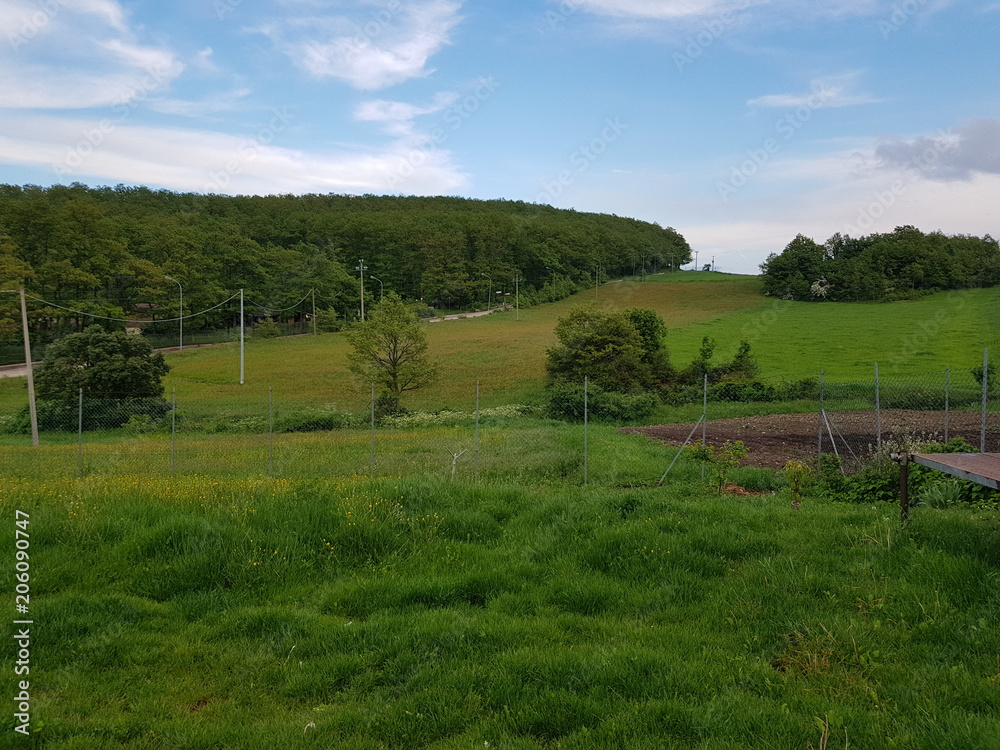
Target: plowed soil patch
<point>776,438</point>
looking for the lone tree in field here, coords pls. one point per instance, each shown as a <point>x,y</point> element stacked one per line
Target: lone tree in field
<point>119,369</point>
<point>390,350</point>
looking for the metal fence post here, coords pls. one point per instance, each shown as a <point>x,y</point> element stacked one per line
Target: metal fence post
<point>173,436</point>
<point>947,400</point>
<point>986,398</point>
<point>372,460</point>
<point>819,431</point>
<point>79,438</point>
<point>585,468</point>
<point>476,472</point>
<point>270,430</point>
<point>878,418</point>
<point>704,419</point>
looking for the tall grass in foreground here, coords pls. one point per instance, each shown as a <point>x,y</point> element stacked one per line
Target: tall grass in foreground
<point>524,451</point>
<point>422,613</point>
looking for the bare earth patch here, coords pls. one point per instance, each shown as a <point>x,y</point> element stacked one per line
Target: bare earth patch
<point>776,438</point>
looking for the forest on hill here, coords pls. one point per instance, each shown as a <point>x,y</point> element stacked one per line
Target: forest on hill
<point>109,250</point>
<point>901,264</point>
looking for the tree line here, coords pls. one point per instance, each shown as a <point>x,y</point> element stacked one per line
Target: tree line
<point>901,264</point>
<point>108,250</point>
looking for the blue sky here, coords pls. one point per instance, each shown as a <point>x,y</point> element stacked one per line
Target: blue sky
<point>738,122</point>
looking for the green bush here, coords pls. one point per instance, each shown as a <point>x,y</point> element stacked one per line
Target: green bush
<point>328,321</point>
<point>565,401</point>
<point>750,391</point>
<point>312,420</point>
<point>267,329</point>
<point>103,414</point>
<point>942,494</point>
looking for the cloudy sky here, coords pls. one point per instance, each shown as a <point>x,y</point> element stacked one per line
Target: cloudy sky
<point>738,122</point>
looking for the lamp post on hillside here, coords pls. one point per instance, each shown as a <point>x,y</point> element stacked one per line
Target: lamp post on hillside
<point>180,315</point>
<point>362,267</point>
<point>381,289</point>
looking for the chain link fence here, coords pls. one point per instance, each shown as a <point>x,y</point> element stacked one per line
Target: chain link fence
<point>873,418</point>
<point>263,432</point>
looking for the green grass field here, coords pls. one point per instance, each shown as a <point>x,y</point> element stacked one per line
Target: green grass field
<point>182,598</point>
<point>204,613</point>
<point>792,340</point>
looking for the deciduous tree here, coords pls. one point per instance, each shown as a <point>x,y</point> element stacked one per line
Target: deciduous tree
<point>106,364</point>
<point>390,350</point>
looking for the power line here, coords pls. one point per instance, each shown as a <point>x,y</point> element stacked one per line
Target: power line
<point>284,309</point>
<point>131,320</point>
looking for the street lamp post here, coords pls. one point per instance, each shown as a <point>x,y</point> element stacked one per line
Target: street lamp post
<point>362,267</point>
<point>489,299</point>
<point>181,314</point>
<point>381,289</point>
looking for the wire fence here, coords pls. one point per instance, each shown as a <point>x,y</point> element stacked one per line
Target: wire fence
<point>265,432</point>
<point>887,413</point>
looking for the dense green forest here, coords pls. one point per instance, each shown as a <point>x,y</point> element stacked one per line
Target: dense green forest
<point>901,264</point>
<point>108,251</point>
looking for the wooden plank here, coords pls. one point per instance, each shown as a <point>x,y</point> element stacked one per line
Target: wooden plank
<point>982,468</point>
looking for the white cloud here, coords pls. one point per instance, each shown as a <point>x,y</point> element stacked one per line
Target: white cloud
<point>678,10</point>
<point>107,10</point>
<point>73,54</point>
<point>213,105</point>
<point>207,161</point>
<point>384,49</point>
<point>856,208</point>
<point>397,117</point>
<point>826,92</point>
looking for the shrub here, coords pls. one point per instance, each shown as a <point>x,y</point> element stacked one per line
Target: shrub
<point>565,401</point>
<point>328,321</point>
<point>312,420</point>
<point>267,329</point>
<point>752,391</point>
<point>991,376</point>
<point>942,494</point>
<point>103,414</point>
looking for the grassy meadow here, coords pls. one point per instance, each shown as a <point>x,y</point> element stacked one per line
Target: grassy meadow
<point>792,340</point>
<point>202,613</point>
<point>514,597</point>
